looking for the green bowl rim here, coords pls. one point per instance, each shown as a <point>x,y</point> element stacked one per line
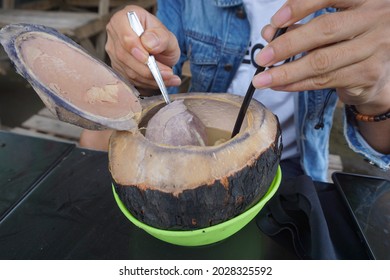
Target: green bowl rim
<point>174,233</point>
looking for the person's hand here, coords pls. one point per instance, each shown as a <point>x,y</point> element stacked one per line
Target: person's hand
<point>348,50</point>
<point>129,53</point>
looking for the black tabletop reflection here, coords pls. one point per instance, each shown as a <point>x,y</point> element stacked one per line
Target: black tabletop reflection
<point>57,203</point>
<point>23,162</point>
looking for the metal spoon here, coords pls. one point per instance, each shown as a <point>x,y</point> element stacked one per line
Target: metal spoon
<point>138,29</point>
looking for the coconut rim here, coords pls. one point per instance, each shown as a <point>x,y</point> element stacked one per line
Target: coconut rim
<point>199,95</point>
<point>248,135</point>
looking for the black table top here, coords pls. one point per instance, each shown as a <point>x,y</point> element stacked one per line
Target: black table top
<point>56,202</point>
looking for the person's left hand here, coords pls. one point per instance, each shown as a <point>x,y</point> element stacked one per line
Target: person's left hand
<point>348,50</point>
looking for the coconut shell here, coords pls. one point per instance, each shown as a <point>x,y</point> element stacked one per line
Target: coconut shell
<point>75,87</point>
<point>193,187</point>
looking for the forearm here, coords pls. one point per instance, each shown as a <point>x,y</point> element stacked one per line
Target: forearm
<point>377,134</point>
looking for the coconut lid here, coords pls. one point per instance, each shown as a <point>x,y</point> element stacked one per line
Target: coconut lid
<point>75,86</point>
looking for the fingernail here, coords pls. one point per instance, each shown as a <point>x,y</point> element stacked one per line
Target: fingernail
<point>281,17</point>
<point>267,32</point>
<point>175,81</point>
<point>262,80</point>
<point>265,56</point>
<point>166,74</point>
<point>150,40</point>
<point>140,55</point>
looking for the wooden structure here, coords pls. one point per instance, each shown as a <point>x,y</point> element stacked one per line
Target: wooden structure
<point>114,5</point>
<point>84,21</point>
<point>45,125</point>
<point>86,28</point>
<point>31,5</point>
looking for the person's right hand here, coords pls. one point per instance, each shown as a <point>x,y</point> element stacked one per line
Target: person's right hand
<point>129,53</point>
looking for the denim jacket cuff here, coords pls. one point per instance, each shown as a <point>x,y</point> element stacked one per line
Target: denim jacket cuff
<point>357,143</point>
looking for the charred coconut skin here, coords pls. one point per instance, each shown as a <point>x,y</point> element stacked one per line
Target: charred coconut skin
<point>189,204</point>
<point>198,208</point>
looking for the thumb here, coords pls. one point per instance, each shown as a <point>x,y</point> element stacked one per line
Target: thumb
<point>161,43</point>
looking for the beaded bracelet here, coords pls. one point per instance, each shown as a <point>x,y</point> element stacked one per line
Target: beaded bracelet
<point>367,118</point>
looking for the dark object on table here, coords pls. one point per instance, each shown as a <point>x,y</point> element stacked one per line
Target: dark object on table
<point>367,198</point>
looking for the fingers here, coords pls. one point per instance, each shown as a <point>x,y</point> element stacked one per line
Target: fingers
<point>316,63</point>
<point>294,10</point>
<point>347,50</point>
<point>129,53</point>
<point>142,77</point>
<point>268,31</point>
<point>321,31</point>
<point>360,79</point>
<point>159,41</point>
<point>121,34</point>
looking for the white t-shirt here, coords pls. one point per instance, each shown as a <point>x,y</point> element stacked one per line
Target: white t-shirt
<point>259,13</point>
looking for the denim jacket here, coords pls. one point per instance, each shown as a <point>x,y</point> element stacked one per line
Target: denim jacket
<point>213,35</point>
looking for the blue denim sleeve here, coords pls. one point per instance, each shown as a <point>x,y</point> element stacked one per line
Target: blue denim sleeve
<point>170,14</point>
<point>357,143</point>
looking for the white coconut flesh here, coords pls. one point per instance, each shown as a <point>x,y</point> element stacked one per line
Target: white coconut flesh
<point>75,77</point>
<point>175,125</point>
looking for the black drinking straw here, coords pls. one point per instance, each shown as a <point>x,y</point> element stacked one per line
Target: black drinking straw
<point>250,91</point>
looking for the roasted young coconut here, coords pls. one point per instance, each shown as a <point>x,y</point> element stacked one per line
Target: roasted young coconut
<point>191,187</point>
<point>166,185</point>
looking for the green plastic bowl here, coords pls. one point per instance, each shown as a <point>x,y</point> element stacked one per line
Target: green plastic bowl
<point>207,235</point>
